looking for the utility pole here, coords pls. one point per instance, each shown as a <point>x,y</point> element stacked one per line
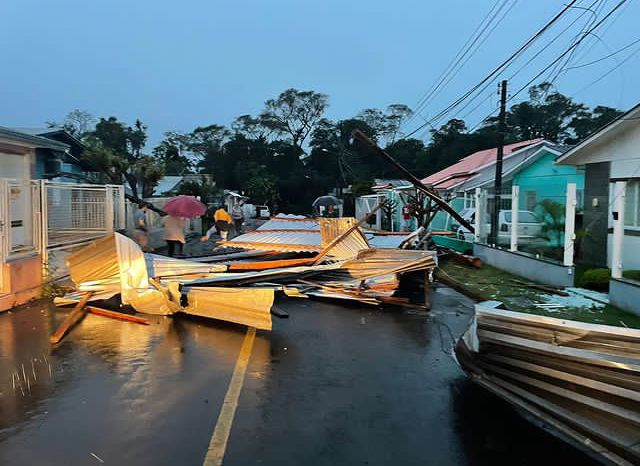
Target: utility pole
<point>497,187</point>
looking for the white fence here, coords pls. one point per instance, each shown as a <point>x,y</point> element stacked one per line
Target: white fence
<point>45,217</point>
<point>544,229</point>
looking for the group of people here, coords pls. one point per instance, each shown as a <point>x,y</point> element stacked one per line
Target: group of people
<point>174,228</point>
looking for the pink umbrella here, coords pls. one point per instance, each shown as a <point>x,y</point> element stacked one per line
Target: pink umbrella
<point>185,206</point>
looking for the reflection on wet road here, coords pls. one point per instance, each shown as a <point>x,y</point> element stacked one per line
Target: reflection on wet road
<point>330,385</point>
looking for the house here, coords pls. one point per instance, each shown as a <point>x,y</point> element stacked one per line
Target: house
<point>527,164</point>
<point>26,156</point>
<point>394,191</point>
<point>611,157</point>
<point>58,165</point>
<point>39,220</point>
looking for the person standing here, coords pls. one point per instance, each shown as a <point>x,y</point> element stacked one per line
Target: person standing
<point>174,234</point>
<point>141,231</point>
<point>237,214</point>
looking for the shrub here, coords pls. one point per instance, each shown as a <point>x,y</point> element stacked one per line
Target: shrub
<point>632,275</point>
<point>596,279</point>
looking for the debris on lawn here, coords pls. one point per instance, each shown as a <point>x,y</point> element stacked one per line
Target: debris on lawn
<point>327,258</point>
<point>580,380</point>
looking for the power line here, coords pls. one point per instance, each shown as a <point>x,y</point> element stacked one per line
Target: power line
<point>500,67</point>
<point>561,56</point>
<point>626,59</point>
<point>605,57</point>
<point>464,50</point>
<point>587,9</point>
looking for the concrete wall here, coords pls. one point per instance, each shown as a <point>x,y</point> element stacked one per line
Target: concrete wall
<point>630,250</point>
<point>22,279</point>
<point>530,268</point>
<point>596,212</point>
<point>625,294</point>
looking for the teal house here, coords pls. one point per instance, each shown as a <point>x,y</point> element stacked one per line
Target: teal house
<point>528,164</point>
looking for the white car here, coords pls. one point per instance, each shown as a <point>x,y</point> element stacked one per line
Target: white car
<point>529,227</point>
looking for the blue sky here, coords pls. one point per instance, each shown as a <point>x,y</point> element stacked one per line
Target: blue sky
<point>179,64</point>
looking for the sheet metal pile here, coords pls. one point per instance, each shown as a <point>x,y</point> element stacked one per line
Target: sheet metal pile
<point>579,380</point>
<point>326,258</point>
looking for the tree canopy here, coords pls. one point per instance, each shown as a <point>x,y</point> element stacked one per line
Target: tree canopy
<point>290,153</point>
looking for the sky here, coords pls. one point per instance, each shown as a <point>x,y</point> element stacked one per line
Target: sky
<point>180,64</point>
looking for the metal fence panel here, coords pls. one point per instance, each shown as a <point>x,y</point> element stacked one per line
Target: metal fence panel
<point>77,212</point>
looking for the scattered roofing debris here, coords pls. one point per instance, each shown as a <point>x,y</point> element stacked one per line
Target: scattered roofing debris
<point>325,258</point>
<point>579,380</point>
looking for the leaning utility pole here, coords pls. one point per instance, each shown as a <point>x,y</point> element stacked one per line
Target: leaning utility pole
<point>497,187</point>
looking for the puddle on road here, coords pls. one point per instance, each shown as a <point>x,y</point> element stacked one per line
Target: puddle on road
<point>128,363</point>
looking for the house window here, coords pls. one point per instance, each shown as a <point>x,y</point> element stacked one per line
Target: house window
<point>530,200</point>
<point>469,200</point>
<point>632,205</point>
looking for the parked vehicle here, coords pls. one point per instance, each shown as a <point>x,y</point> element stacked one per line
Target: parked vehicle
<point>529,227</point>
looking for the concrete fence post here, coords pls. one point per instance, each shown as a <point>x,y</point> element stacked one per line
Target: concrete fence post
<point>619,194</point>
<point>570,224</point>
<point>515,204</point>
<point>478,217</point>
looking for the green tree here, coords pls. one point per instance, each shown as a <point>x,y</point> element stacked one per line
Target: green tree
<point>294,114</point>
<point>172,153</point>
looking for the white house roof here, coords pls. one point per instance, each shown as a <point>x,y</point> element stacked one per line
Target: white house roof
<point>166,184</point>
<point>32,140</point>
<point>576,155</point>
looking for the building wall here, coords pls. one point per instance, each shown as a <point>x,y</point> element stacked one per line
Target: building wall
<point>16,161</point>
<point>545,180</point>
<point>593,250</point>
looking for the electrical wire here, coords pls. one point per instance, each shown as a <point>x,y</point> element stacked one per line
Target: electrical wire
<point>560,57</point>
<point>461,52</point>
<point>459,64</point>
<point>560,34</point>
<point>500,67</point>
<point>605,57</point>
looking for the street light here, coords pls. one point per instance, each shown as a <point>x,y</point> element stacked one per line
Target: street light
<point>339,172</point>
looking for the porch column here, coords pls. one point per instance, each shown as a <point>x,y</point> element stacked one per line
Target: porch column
<point>478,217</point>
<point>570,224</point>
<point>619,193</point>
<point>515,204</point>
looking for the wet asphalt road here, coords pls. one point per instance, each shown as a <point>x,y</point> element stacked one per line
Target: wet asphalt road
<point>330,385</point>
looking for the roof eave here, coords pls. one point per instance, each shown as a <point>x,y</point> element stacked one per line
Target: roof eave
<point>570,156</point>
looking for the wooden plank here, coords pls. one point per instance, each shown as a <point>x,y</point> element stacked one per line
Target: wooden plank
<point>116,315</point>
<point>347,232</point>
<point>427,291</point>
<point>72,319</point>
<point>266,265</point>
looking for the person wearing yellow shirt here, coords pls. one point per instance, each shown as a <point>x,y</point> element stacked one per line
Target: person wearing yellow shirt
<point>222,223</point>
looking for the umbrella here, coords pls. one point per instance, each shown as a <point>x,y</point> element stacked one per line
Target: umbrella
<point>185,206</point>
<point>326,201</point>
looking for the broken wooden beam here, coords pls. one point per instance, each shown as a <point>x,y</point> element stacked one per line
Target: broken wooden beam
<point>72,319</point>
<point>116,315</point>
<point>538,286</point>
<point>465,259</point>
<point>445,278</point>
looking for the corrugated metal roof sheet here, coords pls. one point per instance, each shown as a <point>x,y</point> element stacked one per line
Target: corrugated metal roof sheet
<point>290,224</point>
<point>278,240</point>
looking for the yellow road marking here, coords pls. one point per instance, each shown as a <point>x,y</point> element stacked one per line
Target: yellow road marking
<point>220,437</point>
